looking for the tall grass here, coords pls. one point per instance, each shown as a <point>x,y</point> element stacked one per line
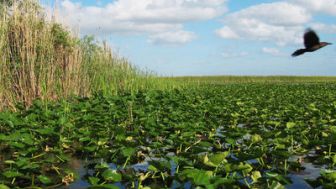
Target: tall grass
<point>42,59</point>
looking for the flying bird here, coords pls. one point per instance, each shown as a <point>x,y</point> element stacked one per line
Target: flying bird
<point>311,42</point>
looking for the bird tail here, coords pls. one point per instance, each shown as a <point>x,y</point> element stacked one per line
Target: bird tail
<point>299,52</point>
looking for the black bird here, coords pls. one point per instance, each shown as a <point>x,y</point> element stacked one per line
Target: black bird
<point>311,42</point>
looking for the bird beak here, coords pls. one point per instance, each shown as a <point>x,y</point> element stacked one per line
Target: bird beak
<point>329,43</point>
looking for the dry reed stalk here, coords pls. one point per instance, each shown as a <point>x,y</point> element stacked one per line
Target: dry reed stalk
<point>41,59</point>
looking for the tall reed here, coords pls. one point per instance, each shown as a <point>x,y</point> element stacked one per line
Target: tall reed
<point>42,59</point>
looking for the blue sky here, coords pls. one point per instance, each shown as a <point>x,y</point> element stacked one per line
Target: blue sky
<point>210,37</point>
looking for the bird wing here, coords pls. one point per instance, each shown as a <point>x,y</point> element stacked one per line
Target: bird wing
<point>310,39</point>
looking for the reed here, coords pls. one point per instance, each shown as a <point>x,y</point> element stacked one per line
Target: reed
<point>41,59</point>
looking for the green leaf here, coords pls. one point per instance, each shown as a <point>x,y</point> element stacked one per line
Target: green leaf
<point>2,186</point>
<point>152,168</point>
<point>45,131</point>
<point>277,177</point>
<point>199,177</point>
<point>12,174</point>
<point>333,158</point>
<point>255,176</point>
<point>27,139</point>
<point>94,180</point>
<point>9,162</point>
<point>84,139</point>
<point>44,179</point>
<point>276,185</point>
<point>102,166</point>
<point>329,174</point>
<point>127,152</point>
<point>256,138</point>
<point>90,148</point>
<point>245,168</point>
<point>290,125</point>
<point>214,160</point>
<point>112,175</point>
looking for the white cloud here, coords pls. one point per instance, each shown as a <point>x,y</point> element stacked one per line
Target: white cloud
<point>166,10</point>
<point>227,32</point>
<point>322,6</point>
<point>178,37</point>
<point>278,13</point>
<point>324,27</point>
<point>280,22</point>
<point>156,18</point>
<point>272,51</point>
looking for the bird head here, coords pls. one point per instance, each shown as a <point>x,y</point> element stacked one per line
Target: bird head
<point>325,44</point>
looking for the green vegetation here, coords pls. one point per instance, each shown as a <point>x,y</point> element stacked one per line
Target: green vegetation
<point>215,136</point>
<point>73,111</point>
<point>40,59</point>
<point>253,79</point>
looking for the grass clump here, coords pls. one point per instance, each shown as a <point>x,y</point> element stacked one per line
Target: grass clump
<point>42,59</point>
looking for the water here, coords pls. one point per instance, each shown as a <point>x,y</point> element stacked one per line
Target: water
<point>298,182</point>
<point>298,179</point>
<point>310,171</point>
<point>78,166</point>
<point>81,168</point>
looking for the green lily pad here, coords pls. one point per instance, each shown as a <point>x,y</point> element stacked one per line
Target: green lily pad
<point>214,160</point>
<point>94,180</point>
<point>2,186</point>
<point>111,175</point>
<point>44,179</point>
<point>12,174</point>
<point>329,174</point>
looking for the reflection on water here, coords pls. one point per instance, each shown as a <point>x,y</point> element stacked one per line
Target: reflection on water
<point>310,172</point>
<point>84,169</point>
<point>298,183</point>
<point>81,167</point>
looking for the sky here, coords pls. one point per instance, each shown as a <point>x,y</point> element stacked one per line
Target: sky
<point>210,37</point>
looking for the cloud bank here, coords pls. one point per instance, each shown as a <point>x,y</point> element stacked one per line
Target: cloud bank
<point>161,20</point>
<point>280,22</point>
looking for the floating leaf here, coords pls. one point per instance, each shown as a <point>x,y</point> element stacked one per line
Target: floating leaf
<point>255,176</point>
<point>290,125</point>
<point>94,180</point>
<point>12,174</point>
<point>329,175</point>
<point>127,152</point>
<point>152,168</point>
<point>276,185</point>
<point>111,175</point>
<point>245,168</point>
<point>214,160</point>
<point>199,177</point>
<point>102,166</point>
<point>2,186</point>
<point>44,179</point>
<point>256,138</point>
<point>9,162</point>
